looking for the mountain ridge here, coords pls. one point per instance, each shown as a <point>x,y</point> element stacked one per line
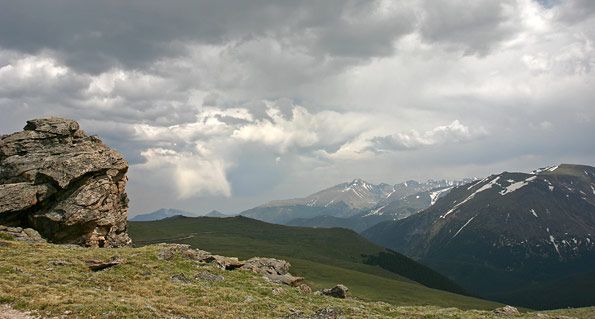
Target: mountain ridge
<point>346,203</point>
<point>162,213</point>
<point>506,232</point>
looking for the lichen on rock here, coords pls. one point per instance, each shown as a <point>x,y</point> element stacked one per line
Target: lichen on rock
<point>68,186</point>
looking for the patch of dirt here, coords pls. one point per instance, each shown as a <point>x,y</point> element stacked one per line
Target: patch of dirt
<point>6,312</point>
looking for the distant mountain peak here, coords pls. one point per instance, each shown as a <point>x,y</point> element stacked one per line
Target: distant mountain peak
<point>161,214</point>
<point>357,181</point>
<point>215,213</point>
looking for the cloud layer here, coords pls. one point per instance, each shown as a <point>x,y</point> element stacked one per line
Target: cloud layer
<point>227,104</point>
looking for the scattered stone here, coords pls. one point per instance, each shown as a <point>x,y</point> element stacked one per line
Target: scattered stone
<point>169,251</point>
<point>146,273</point>
<point>286,279</point>
<point>273,270</point>
<point>248,299</point>
<point>507,311</point>
<point>20,234</point>
<point>7,312</point>
<point>326,313</point>
<point>338,291</point>
<point>150,308</point>
<point>166,255</point>
<point>226,263</point>
<point>150,266</point>
<point>59,262</point>
<point>66,185</point>
<point>19,270</point>
<point>208,276</point>
<point>267,266</point>
<point>71,246</point>
<point>294,313</point>
<point>305,288</point>
<point>222,262</point>
<point>98,264</point>
<point>180,277</point>
<point>277,291</point>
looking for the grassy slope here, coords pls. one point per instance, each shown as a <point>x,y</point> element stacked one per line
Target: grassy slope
<point>324,257</point>
<point>142,288</point>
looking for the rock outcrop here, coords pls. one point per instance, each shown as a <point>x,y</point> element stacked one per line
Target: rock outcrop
<point>272,270</point>
<point>20,234</point>
<point>66,185</point>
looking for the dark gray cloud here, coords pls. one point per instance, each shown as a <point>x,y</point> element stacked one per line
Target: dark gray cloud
<point>576,10</point>
<point>275,99</point>
<point>473,27</point>
<point>95,36</point>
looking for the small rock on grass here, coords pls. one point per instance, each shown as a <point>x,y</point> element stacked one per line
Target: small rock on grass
<point>507,311</point>
<point>305,288</point>
<point>59,262</point>
<point>208,276</point>
<point>338,291</point>
<point>326,313</point>
<point>277,291</point>
<point>98,264</point>
<point>180,278</point>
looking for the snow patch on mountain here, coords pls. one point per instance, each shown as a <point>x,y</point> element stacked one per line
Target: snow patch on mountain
<point>377,211</point>
<point>517,185</point>
<point>533,212</point>
<point>436,194</point>
<point>544,169</point>
<point>467,223</point>
<point>553,241</point>
<point>481,189</point>
<point>550,186</point>
<point>477,183</point>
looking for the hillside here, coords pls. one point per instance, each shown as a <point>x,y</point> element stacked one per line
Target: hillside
<point>161,214</point>
<point>52,281</point>
<point>524,239</point>
<point>324,256</point>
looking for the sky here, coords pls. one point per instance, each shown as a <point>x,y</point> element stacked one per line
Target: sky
<point>227,105</point>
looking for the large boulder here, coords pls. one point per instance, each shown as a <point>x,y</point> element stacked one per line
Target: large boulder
<point>66,185</point>
<point>273,270</point>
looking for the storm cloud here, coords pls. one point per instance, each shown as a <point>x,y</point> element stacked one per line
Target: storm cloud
<point>228,104</point>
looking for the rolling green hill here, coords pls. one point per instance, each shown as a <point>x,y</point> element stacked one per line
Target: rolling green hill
<point>324,257</point>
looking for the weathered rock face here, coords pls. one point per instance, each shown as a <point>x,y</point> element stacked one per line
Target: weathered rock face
<point>66,185</point>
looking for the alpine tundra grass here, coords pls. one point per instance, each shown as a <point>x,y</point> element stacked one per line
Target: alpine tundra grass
<point>55,281</point>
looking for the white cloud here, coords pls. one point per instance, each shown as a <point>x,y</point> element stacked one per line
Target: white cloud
<point>455,132</point>
<point>190,173</point>
<point>303,129</point>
